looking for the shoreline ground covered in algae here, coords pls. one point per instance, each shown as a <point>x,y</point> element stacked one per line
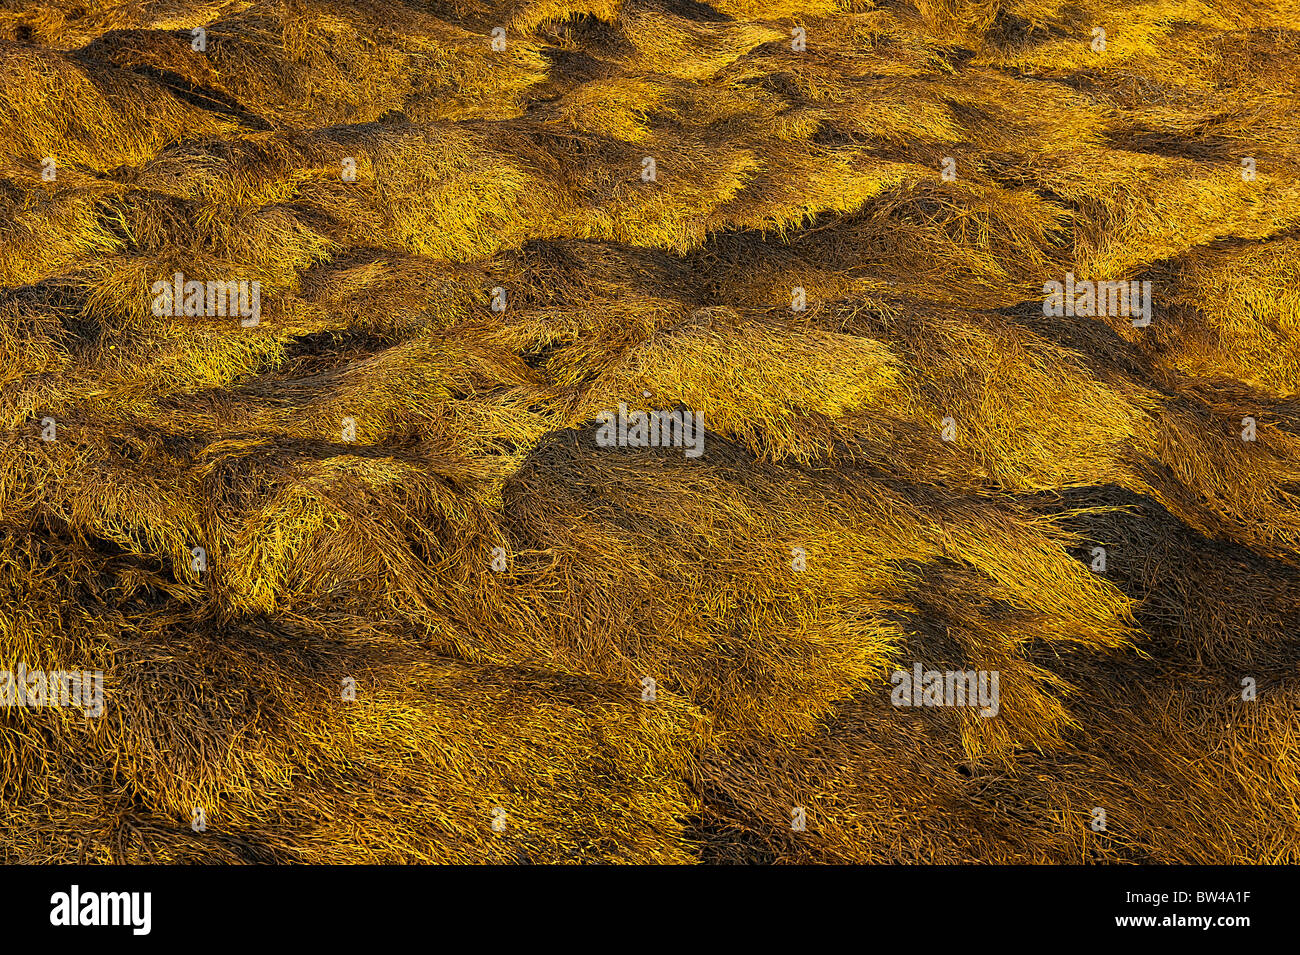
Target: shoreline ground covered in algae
<point>556,431</point>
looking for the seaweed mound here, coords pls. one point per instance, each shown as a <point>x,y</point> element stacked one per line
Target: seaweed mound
<point>560,430</point>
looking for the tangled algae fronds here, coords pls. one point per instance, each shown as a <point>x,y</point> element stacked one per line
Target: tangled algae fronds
<point>361,526</point>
